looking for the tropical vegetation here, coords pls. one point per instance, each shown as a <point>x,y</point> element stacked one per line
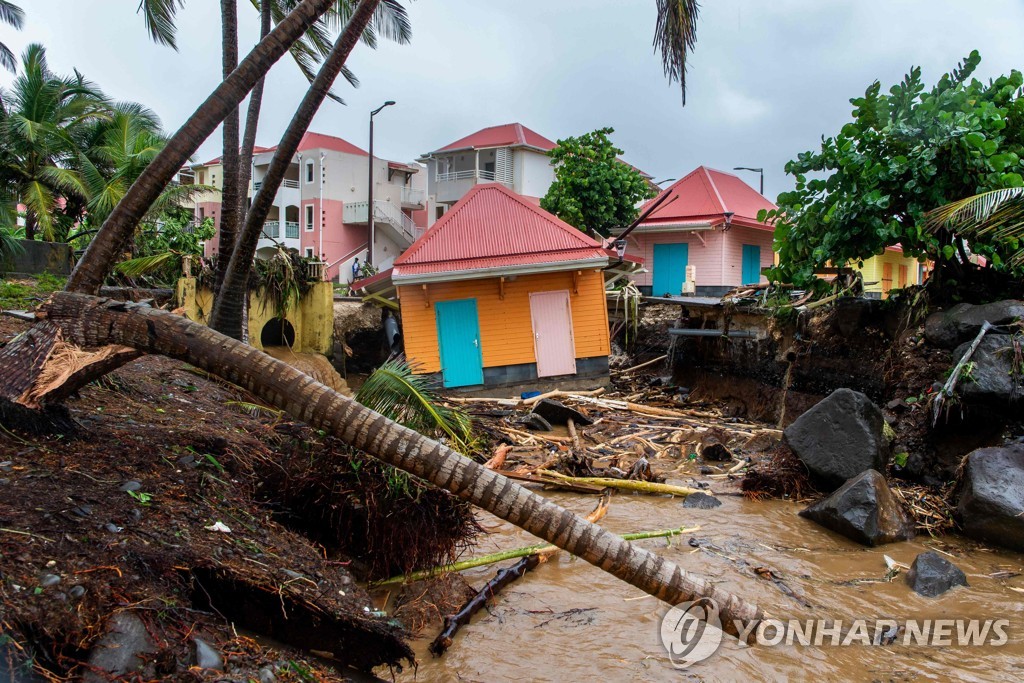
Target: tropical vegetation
<point>906,151</point>
<point>594,190</point>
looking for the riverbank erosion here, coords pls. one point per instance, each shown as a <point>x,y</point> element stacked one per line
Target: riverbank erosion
<point>184,531</point>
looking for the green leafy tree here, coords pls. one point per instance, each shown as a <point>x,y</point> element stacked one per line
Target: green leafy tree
<point>594,190</point>
<point>904,153</point>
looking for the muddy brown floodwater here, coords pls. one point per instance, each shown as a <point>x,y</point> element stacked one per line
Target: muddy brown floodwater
<point>569,621</point>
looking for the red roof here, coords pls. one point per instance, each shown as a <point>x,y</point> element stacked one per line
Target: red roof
<point>705,196</point>
<point>491,227</point>
<point>310,141</point>
<point>508,135</point>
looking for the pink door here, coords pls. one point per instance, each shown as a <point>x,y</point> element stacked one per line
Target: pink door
<point>552,333</point>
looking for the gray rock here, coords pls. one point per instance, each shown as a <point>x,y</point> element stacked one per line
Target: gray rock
<point>701,501</point>
<point>117,652</point>
<point>535,422</point>
<point>991,505</point>
<point>864,510</point>
<point>47,580</point>
<point>558,413</point>
<point>932,575</point>
<point>77,591</point>
<point>991,379</point>
<point>947,329</point>
<point>131,486</point>
<point>267,675</point>
<point>207,657</point>
<point>839,438</point>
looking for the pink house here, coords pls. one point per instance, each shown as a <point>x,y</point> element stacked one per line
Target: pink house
<point>321,207</point>
<point>708,220</point>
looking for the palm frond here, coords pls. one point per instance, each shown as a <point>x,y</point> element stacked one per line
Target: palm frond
<point>409,399</point>
<point>7,59</point>
<point>144,265</point>
<point>255,409</point>
<point>675,36</point>
<point>159,16</point>
<point>995,216</point>
<point>11,14</point>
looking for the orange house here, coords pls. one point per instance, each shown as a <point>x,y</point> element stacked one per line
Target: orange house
<point>499,292</point>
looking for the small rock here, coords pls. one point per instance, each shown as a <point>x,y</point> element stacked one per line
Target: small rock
<point>558,413</point>
<point>701,501</point>
<point>77,591</point>
<point>267,675</point>
<point>706,470</point>
<point>131,486</point>
<point>117,652</point>
<point>47,580</point>
<point>535,422</point>
<point>186,460</point>
<point>113,528</point>
<point>82,511</point>
<point>932,575</point>
<point>663,381</point>
<point>897,404</point>
<point>206,656</point>
<point>865,510</point>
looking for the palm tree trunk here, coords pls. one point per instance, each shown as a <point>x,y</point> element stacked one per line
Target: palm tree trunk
<point>102,253</point>
<point>30,224</point>
<point>252,120</point>
<point>90,321</point>
<point>231,188</point>
<point>229,304</point>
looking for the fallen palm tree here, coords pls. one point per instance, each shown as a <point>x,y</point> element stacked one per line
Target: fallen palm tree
<point>93,322</point>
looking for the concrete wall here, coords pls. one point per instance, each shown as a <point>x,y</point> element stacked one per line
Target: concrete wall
<point>40,257</point>
<point>312,319</point>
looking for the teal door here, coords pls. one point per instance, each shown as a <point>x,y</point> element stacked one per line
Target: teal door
<point>458,336</point>
<point>669,268</point>
<point>751,264</point>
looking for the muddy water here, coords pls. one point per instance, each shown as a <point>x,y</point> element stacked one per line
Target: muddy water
<point>568,621</point>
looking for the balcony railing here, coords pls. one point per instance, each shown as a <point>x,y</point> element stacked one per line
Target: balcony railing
<point>384,212</point>
<point>291,230</point>
<point>272,229</point>
<point>292,184</point>
<point>471,174</point>
<point>413,196</point>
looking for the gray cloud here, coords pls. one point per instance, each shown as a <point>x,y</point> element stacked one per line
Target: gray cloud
<point>766,81</point>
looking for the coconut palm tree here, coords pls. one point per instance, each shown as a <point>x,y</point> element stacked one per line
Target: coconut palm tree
<point>229,304</point>
<point>43,117</point>
<point>104,250</point>
<point>11,15</point>
<point>92,322</point>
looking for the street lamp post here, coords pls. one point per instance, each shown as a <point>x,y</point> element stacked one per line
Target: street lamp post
<point>369,193</point>
<point>755,170</point>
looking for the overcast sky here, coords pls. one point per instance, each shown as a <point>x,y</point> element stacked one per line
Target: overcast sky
<point>767,79</point>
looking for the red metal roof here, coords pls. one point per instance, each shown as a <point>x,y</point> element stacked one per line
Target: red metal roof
<point>507,135</point>
<point>492,227</point>
<point>705,196</point>
<point>321,141</point>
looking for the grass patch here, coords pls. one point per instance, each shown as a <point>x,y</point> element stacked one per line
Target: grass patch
<point>27,292</point>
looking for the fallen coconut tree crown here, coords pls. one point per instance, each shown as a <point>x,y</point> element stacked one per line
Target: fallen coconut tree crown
<point>94,322</point>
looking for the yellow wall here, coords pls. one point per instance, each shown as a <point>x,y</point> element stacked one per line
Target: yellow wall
<point>312,319</point>
<point>506,329</point>
<point>874,269</point>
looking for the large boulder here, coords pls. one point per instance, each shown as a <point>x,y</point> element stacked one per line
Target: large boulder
<point>864,509</point>
<point>840,437</point>
<point>121,649</point>
<point>962,322</point>
<point>932,575</point>
<point>992,378</point>
<point>991,505</point>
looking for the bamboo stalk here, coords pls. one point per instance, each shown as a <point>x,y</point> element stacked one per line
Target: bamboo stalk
<point>950,386</point>
<point>516,553</point>
<point>624,484</point>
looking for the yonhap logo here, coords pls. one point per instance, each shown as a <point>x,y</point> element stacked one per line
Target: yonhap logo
<point>691,632</point>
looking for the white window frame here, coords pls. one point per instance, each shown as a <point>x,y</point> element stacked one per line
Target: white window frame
<point>309,252</point>
<point>310,216</point>
<point>310,176</point>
